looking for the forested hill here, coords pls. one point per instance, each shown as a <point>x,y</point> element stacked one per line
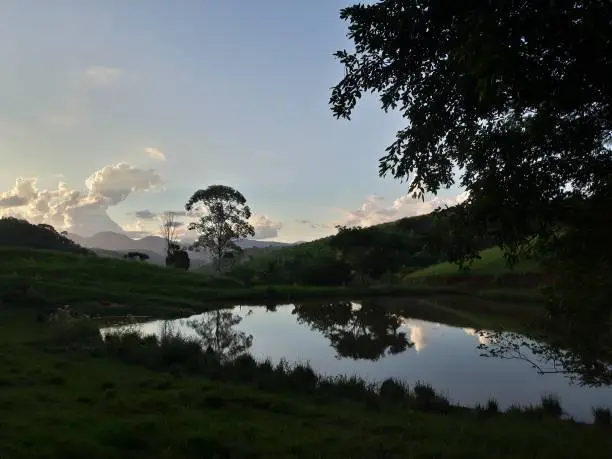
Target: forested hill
<point>15,232</point>
<point>398,247</point>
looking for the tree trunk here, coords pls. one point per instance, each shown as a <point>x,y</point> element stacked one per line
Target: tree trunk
<point>219,259</point>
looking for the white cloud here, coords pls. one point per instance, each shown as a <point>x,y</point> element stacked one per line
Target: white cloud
<point>81,212</point>
<point>102,76</point>
<point>116,182</point>
<point>155,153</point>
<point>265,228</point>
<point>374,212</point>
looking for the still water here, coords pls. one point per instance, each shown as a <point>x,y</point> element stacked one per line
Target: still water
<point>376,343</point>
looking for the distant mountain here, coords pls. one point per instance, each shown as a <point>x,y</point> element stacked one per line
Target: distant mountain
<point>109,242</point>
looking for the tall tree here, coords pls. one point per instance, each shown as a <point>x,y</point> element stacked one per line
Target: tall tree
<point>517,96</point>
<point>226,219</point>
<point>168,229</point>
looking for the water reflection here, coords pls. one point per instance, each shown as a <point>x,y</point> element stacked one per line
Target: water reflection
<point>584,368</point>
<point>357,331</point>
<point>410,340</point>
<point>217,333</point>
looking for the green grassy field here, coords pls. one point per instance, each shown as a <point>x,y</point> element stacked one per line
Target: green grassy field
<point>60,400</point>
<point>491,263</point>
<point>118,286</point>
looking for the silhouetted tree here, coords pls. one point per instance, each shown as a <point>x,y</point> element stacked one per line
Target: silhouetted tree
<point>226,219</point>
<point>517,97</point>
<point>136,256</point>
<point>168,229</point>
<point>20,233</point>
<point>177,257</point>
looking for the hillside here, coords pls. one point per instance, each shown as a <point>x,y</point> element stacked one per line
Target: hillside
<point>491,262</point>
<point>43,276</point>
<point>15,232</point>
<point>318,262</point>
<point>113,244</point>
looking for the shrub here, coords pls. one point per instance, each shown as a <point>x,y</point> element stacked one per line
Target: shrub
<point>602,416</point>
<point>426,399</point>
<point>492,406</point>
<point>393,390</point>
<point>551,406</point>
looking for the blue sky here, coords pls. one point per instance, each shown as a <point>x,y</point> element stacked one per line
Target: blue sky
<point>232,92</point>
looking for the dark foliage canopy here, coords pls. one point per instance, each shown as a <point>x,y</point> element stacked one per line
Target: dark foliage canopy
<point>16,232</point>
<point>225,219</point>
<point>516,96</point>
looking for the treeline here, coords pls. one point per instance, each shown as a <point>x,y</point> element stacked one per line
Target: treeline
<point>382,253</point>
<point>15,232</point>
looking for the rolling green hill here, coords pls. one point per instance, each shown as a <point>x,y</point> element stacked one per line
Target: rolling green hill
<point>491,262</point>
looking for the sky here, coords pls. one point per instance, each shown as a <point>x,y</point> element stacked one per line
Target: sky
<point>112,112</point>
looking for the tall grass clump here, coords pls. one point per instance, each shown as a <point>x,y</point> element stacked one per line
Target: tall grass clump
<point>492,406</point>
<point>69,329</point>
<point>425,398</point>
<point>394,391</point>
<point>551,406</point>
<point>602,416</point>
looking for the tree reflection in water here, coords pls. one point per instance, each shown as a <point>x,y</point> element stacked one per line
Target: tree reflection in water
<point>217,334</point>
<point>368,331</point>
<point>579,365</point>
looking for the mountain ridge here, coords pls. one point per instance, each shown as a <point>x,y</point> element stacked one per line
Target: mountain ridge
<point>110,240</point>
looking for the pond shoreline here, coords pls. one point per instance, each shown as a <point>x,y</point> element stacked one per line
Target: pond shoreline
<point>284,339</point>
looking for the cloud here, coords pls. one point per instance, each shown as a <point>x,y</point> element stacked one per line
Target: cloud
<point>313,225</point>
<point>83,212</point>
<point>265,228</point>
<point>373,211</point>
<point>13,201</point>
<point>102,76</point>
<point>116,182</point>
<point>175,224</point>
<point>145,214</point>
<point>155,153</point>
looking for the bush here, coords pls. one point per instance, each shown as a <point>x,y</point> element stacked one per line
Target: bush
<point>551,406</point>
<point>393,390</point>
<point>426,399</point>
<point>73,330</point>
<point>602,416</point>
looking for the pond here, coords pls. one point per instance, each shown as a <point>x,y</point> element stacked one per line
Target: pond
<point>376,342</point>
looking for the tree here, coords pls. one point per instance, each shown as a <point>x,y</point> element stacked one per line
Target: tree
<point>371,251</point>
<point>517,96</point>
<point>168,230</point>
<point>177,257</point>
<point>225,219</point>
<point>17,232</point>
<point>136,256</point>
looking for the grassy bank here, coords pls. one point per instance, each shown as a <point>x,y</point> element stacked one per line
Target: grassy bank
<point>116,286</point>
<point>69,397</point>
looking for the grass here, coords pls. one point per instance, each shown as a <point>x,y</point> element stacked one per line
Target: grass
<point>73,398</point>
<point>116,286</point>
<point>491,263</point>
<point>602,416</point>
